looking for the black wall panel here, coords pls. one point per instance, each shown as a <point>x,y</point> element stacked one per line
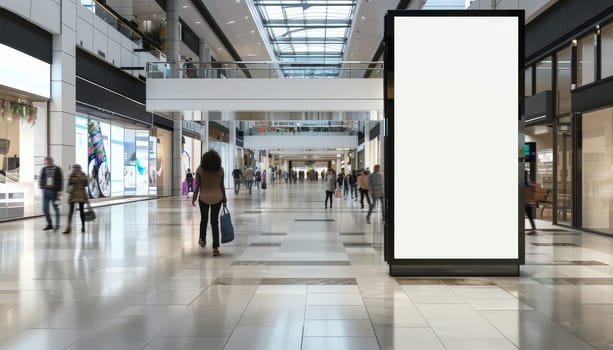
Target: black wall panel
<point>594,96</point>
<point>560,22</point>
<point>91,68</point>
<point>24,36</point>
<point>190,38</point>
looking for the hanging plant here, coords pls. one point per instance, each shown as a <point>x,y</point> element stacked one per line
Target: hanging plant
<point>20,110</point>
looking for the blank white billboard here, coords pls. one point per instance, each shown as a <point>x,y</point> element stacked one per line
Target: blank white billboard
<point>456,137</point>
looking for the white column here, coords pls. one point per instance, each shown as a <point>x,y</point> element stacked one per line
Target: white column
<point>177,159</point>
<point>232,145</point>
<point>173,32</point>
<point>367,145</point>
<point>62,109</point>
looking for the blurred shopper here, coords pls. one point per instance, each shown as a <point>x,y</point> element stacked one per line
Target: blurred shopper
<point>258,178</point>
<point>375,185</point>
<point>77,182</point>
<point>237,174</point>
<point>330,188</point>
<point>189,180</point>
<point>363,186</point>
<point>211,194</point>
<point>353,184</point>
<point>529,202</point>
<point>249,178</point>
<point>51,181</point>
<point>346,185</point>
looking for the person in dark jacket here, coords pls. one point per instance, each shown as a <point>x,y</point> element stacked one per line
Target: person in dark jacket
<point>51,181</point>
<point>189,180</point>
<point>77,182</point>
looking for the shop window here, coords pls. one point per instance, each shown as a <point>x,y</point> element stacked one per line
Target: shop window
<point>606,37</point>
<point>563,81</point>
<point>585,60</point>
<point>597,162</point>
<point>543,75</point>
<point>528,82</point>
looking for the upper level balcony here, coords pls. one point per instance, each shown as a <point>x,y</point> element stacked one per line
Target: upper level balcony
<point>265,86</point>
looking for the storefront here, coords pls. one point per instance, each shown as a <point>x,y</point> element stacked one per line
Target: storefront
<point>121,159</point>
<point>569,127</point>
<point>24,92</point>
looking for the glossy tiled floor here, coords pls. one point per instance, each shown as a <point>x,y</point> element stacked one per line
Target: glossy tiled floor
<point>296,277</point>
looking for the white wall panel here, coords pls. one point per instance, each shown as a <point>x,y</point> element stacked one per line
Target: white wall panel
<point>265,94</point>
<point>113,55</point>
<point>85,13</point>
<point>100,42</point>
<point>300,142</point>
<point>46,13</point>
<point>85,34</point>
<point>66,41</point>
<point>69,14</point>
<point>64,67</point>
<point>19,7</point>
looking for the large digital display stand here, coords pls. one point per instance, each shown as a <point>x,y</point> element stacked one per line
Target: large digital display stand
<point>454,144</point>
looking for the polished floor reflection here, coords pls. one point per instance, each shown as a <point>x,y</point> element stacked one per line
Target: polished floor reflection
<point>296,277</point>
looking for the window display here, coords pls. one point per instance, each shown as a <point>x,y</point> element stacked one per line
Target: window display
<point>99,171</point>
<point>152,165</point>
<point>142,162</point>
<point>129,170</point>
<point>117,155</point>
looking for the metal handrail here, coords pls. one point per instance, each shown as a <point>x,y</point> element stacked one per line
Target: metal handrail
<point>263,69</point>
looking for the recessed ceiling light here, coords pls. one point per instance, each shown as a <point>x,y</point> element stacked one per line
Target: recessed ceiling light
<point>259,44</point>
<point>238,1</point>
<point>219,49</point>
<point>154,15</point>
<point>252,31</point>
<point>185,6</point>
<point>230,22</point>
<point>246,17</point>
<point>197,22</point>
<point>362,18</point>
<point>251,55</point>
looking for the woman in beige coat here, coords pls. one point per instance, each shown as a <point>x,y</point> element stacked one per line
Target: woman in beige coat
<point>211,194</point>
<point>77,182</point>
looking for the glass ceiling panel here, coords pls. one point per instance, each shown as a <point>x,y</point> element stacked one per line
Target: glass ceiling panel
<point>313,31</point>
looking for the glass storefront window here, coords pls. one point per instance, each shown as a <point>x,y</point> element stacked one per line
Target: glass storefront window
<point>606,37</point>
<point>528,81</point>
<point>597,162</point>
<point>543,75</point>
<point>22,145</point>
<point>563,81</point>
<point>540,170</point>
<point>564,179</point>
<point>585,60</point>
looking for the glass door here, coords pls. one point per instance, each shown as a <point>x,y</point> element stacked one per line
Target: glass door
<point>564,172</point>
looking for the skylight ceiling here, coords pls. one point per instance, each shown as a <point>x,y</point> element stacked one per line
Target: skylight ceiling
<point>307,31</point>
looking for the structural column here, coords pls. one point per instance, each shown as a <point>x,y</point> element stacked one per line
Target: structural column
<point>204,59</point>
<point>232,145</point>
<point>177,155</point>
<point>173,32</point>
<point>366,144</point>
<point>62,109</point>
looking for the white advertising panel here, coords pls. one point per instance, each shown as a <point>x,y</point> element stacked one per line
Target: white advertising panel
<point>117,160</point>
<point>456,137</point>
<point>24,72</point>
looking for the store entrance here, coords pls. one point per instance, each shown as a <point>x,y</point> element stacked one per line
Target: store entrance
<point>539,167</point>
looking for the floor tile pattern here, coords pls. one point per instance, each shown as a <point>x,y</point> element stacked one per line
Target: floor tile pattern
<point>297,276</point>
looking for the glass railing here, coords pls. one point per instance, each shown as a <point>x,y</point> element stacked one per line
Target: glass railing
<point>124,28</point>
<point>301,131</point>
<point>263,70</point>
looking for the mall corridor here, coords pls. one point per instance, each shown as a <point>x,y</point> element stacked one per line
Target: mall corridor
<point>296,277</point>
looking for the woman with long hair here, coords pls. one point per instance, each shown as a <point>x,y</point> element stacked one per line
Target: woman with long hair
<point>211,194</point>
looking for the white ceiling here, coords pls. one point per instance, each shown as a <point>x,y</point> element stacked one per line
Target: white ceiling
<point>235,19</point>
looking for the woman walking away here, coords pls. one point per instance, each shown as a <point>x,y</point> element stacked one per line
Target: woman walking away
<point>77,182</point>
<point>211,194</point>
<point>330,187</point>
